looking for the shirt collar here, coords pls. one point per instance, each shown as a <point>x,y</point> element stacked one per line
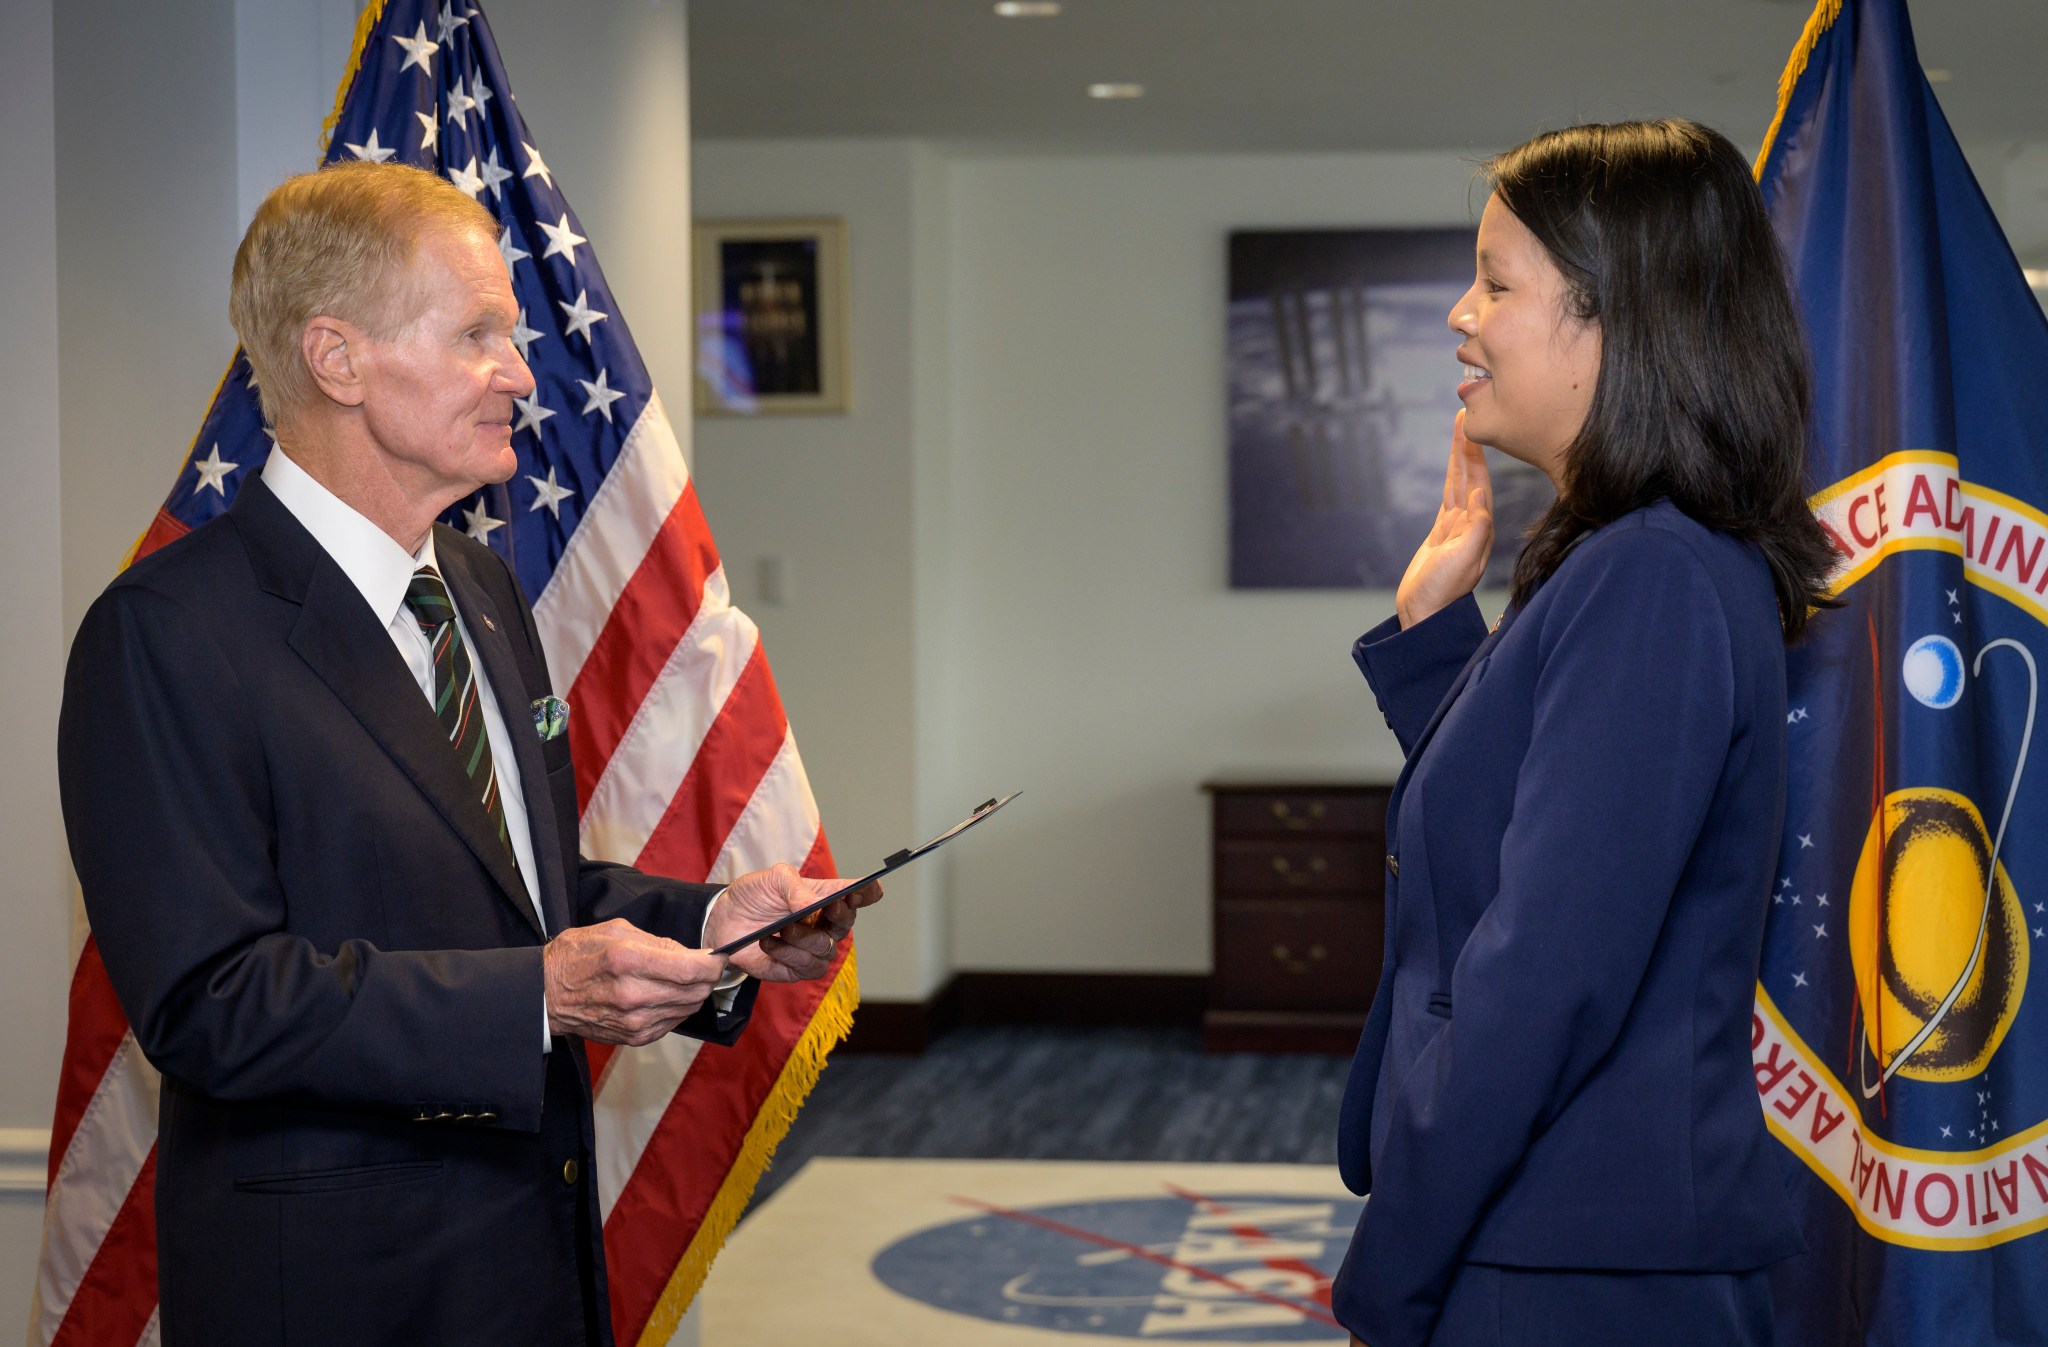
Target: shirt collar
<point>376,565</point>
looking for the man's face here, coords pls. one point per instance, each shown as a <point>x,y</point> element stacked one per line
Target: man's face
<point>438,391</point>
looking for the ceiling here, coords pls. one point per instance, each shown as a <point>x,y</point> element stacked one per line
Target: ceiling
<point>1305,75</point>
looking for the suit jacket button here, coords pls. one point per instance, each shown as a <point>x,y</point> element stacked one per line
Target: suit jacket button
<point>570,1170</point>
<point>1393,865</point>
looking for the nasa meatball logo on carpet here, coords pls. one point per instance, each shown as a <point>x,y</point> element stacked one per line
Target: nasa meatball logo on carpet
<point>1896,1049</point>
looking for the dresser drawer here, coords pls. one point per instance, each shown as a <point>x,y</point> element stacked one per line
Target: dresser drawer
<point>1311,954</point>
<point>1328,865</point>
<point>1242,812</point>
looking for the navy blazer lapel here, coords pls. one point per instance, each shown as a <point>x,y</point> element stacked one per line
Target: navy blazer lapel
<point>1443,707</point>
<point>341,641</point>
<point>486,628</point>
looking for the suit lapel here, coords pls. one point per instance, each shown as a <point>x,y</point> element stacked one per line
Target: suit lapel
<point>492,649</point>
<point>1443,707</point>
<point>342,641</point>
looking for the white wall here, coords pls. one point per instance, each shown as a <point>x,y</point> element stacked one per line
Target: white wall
<point>35,894</point>
<point>834,499</point>
<point>146,231</point>
<point>1102,662</point>
<point>1011,556</point>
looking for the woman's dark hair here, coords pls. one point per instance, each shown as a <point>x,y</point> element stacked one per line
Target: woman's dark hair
<point>1704,394</point>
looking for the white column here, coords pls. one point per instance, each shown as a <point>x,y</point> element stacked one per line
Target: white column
<point>34,894</point>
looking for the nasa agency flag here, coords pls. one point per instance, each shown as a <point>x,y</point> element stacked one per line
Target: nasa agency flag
<point>1901,1048</point>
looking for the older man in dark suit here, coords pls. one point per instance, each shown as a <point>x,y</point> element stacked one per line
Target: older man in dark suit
<point>331,865</point>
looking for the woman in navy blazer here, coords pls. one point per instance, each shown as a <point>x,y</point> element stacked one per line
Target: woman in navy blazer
<point>1551,1106</point>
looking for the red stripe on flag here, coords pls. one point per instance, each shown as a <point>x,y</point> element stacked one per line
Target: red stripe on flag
<point>819,863</point>
<point>165,528</point>
<point>118,1293</point>
<point>598,1056</point>
<point>735,755</point>
<point>657,606</point>
<point>91,1039</point>
<point>693,1148</point>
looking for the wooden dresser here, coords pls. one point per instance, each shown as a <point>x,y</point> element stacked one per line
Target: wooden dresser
<point>1299,913</point>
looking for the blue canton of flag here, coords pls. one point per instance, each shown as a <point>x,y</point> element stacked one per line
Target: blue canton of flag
<point>1899,1055</point>
<point>438,100</point>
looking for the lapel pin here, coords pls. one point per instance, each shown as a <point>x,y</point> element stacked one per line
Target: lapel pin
<point>487,621</point>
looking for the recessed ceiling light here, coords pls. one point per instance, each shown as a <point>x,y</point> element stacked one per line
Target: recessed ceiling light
<point>1028,9</point>
<point>1116,91</point>
<point>1937,76</point>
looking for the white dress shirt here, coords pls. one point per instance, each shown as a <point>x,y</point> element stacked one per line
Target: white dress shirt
<point>381,571</point>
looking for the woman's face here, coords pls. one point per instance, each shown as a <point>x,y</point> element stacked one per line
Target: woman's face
<point>1531,365</point>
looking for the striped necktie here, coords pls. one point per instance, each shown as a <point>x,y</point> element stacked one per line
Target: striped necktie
<point>455,693</point>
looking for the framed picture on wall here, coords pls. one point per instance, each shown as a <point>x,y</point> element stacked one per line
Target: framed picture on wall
<point>771,316</point>
<point>1343,381</point>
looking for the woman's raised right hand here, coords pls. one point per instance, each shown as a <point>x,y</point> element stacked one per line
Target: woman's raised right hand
<point>1452,558</point>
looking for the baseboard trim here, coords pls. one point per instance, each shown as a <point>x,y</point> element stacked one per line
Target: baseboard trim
<point>1120,1000</point>
<point>904,1026</point>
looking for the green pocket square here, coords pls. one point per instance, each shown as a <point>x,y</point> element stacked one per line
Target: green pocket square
<point>550,717</point>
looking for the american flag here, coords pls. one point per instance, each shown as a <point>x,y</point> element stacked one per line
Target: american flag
<point>685,764</point>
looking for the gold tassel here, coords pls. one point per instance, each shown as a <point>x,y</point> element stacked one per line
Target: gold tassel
<point>830,1024</point>
<point>366,21</point>
<point>1823,18</point>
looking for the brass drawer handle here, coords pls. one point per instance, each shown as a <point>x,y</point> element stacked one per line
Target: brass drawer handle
<point>1283,956</point>
<point>1289,819</point>
<point>1316,866</point>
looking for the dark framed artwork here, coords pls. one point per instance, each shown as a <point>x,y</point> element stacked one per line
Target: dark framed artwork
<point>1343,383</point>
<point>771,316</point>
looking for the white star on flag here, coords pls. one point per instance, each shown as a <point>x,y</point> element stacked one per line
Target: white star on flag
<point>419,50</point>
<point>449,23</point>
<point>212,471</point>
<point>371,150</point>
<point>467,179</point>
<point>1799,979</point>
<point>480,94</point>
<point>477,524</point>
<point>531,413</point>
<point>561,238</point>
<point>495,174</point>
<point>580,314</point>
<point>511,251</point>
<point>536,166</point>
<point>524,336</point>
<point>1821,931</point>
<point>602,395</point>
<point>430,131</point>
<point>551,493</point>
<point>1805,841</point>
<point>459,104</point>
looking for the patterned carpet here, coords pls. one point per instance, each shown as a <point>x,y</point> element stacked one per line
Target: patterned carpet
<point>1071,1094</point>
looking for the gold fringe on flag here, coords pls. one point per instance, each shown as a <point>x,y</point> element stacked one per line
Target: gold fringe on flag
<point>365,22</point>
<point>829,1025</point>
<point>1823,18</point>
